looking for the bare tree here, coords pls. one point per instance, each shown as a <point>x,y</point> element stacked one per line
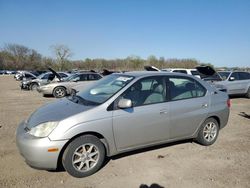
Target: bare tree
<point>62,53</point>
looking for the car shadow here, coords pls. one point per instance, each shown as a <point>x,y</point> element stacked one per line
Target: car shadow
<point>151,148</point>
<point>60,167</point>
<point>244,114</point>
<point>154,185</point>
<point>48,96</point>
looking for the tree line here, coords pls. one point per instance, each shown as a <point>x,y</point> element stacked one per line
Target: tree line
<point>19,57</point>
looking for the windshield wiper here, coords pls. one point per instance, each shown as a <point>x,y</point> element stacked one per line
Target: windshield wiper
<point>81,100</point>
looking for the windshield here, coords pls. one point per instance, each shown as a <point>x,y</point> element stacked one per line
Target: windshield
<point>103,89</point>
<point>224,75</point>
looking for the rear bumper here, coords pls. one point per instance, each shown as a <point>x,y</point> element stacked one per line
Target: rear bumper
<point>35,150</point>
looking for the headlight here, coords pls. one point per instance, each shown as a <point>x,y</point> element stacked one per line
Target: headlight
<point>43,129</point>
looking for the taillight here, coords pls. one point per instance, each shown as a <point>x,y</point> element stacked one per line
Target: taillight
<point>228,103</point>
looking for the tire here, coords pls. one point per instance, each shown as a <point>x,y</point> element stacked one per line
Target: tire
<point>248,93</point>
<point>208,132</point>
<point>80,162</point>
<point>33,86</point>
<point>59,92</point>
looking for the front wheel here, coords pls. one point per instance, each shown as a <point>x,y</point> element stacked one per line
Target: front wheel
<point>84,156</point>
<point>208,132</point>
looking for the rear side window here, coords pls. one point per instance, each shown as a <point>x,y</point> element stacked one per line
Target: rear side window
<point>83,77</point>
<point>195,73</point>
<point>94,77</point>
<point>244,75</point>
<point>184,88</point>
<point>181,71</point>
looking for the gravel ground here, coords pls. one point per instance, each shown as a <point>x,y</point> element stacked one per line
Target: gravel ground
<point>183,164</point>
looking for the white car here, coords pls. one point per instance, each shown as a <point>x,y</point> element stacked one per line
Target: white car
<point>193,72</point>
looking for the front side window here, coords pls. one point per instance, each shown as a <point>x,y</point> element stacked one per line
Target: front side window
<point>184,88</point>
<point>149,90</point>
<point>235,75</point>
<point>63,75</point>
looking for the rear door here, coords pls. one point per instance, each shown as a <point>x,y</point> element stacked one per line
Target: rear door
<point>189,106</point>
<point>245,81</point>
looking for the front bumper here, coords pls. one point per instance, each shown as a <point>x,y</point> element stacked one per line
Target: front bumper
<point>35,150</point>
<point>24,86</point>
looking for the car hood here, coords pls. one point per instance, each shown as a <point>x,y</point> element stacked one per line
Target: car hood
<point>55,73</point>
<point>55,111</point>
<point>207,73</point>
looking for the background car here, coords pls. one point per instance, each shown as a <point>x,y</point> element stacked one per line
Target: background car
<point>63,88</point>
<point>43,79</point>
<point>236,82</point>
<point>193,72</point>
<point>120,113</point>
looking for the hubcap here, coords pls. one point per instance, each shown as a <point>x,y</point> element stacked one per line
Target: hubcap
<point>210,131</point>
<point>85,157</point>
<point>60,92</point>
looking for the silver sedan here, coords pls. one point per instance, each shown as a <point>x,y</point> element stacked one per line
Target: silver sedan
<point>120,113</point>
<point>63,88</point>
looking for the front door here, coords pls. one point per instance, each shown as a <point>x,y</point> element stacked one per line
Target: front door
<point>148,120</point>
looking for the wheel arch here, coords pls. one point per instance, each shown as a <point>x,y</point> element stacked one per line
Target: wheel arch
<point>98,135</point>
<point>216,118</point>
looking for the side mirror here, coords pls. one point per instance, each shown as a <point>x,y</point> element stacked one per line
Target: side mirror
<point>231,78</point>
<point>124,103</point>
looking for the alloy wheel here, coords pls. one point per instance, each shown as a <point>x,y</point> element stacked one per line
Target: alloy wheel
<point>85,157</point>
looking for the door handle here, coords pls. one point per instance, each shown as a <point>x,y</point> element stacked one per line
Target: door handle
<point>204,105</point>
<point>163,112</point>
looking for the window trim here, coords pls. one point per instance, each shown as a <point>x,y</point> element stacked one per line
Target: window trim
<point>113,106</point>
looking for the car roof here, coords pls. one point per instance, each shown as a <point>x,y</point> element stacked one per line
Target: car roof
<point>179,69</point>
<point>151,73</point>
<point>87,72</point>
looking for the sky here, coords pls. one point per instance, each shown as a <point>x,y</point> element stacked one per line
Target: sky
<point>211,31</point>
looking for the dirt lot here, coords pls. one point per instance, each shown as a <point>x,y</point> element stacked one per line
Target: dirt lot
<point>185,164</point>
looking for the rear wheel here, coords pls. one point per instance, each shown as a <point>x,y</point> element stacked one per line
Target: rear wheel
<point>208,132</point>
<point>59,92</point>
<point>84,156</point>
<point>33,86</point>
